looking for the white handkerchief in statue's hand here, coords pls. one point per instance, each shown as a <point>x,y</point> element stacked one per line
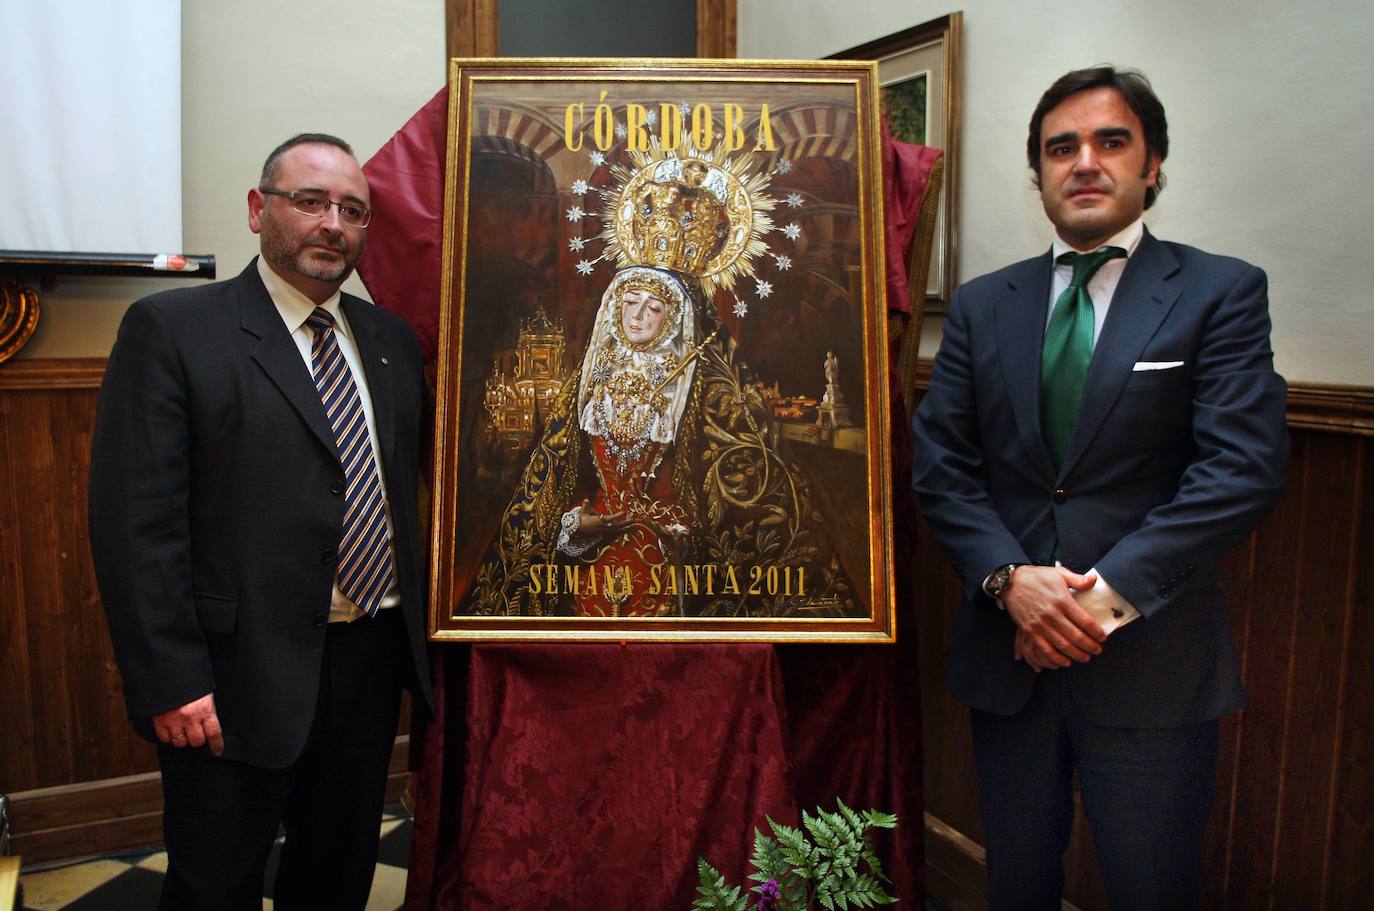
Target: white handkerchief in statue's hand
<point>1156,365</point>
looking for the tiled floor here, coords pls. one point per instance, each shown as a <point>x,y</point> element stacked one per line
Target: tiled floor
<point>133,882</point>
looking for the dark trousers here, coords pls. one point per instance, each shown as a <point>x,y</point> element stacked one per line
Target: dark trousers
<point>221,817</point>
<point>1147,793</point>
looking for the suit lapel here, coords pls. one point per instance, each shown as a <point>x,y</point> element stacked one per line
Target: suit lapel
<point>276,353</point>
<point>1143,298</point>
<point>1021,317</point>
<point>377,362</point>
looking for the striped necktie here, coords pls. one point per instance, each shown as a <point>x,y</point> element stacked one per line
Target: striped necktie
<point>1068,350</point>
<point>364,562</point>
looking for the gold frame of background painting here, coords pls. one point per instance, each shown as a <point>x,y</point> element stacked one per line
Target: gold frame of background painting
<point>662,379</point>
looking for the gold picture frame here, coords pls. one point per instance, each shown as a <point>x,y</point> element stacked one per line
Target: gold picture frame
<point>921,74</point>
<point>662,391</point>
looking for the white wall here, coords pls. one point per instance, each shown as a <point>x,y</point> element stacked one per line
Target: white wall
<point>253,73</point>
<point>1271,116</point>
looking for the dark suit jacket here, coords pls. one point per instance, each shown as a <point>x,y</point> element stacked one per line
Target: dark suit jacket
<point>1166,471</point>
<point>216,506</point>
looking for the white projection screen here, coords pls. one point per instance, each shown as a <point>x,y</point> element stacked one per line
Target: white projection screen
<point>90,112</point>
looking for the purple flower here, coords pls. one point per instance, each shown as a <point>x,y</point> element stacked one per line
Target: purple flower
<point>770,895</point>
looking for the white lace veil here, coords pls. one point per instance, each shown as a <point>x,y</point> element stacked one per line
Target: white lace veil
<point>677,339</point>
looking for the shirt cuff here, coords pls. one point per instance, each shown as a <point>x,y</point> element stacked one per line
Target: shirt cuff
<point>1103,604</point>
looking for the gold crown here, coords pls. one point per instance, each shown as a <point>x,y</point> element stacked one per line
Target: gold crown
<point>702,214</point>
<point>681,223</point>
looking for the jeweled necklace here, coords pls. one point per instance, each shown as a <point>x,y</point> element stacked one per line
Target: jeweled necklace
<point>636,402</point>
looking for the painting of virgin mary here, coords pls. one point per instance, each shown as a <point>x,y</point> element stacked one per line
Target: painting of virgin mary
<point>662,399</point>
<point>659,486</point>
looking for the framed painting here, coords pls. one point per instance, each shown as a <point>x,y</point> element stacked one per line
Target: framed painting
<point>920,72</point>
<point>662,380</point>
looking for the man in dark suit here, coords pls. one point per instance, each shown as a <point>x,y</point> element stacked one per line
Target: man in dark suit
<point>1102,426</point>
<point>254,523</point>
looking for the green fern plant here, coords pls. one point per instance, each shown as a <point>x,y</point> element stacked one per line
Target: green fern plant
<point>830,865</point>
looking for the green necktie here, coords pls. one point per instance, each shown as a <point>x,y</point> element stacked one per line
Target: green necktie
<point>1069,350</point>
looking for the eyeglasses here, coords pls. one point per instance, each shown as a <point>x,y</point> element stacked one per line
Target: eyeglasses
<point>310,203</point>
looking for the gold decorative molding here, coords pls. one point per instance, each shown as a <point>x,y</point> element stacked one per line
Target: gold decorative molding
<point>53,373</point>
<point>918,271</point>
<point>18,316</point>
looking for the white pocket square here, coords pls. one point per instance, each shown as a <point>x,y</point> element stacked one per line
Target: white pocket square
<point>1156,365</point>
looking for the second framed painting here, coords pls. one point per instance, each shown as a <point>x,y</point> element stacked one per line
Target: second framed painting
<point>920,70</point>
<point>662,386</point>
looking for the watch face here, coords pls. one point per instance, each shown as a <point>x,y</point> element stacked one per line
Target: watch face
<point>1001,579</point>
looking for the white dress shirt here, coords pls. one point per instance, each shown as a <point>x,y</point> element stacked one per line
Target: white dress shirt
<point>294,308</point>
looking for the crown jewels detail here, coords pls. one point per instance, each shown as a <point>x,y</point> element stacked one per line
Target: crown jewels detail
<point>701,213</point>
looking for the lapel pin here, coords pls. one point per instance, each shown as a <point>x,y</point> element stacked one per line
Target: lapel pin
<point>386,363</point>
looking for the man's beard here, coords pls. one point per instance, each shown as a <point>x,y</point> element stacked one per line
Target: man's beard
<point>284,256</point>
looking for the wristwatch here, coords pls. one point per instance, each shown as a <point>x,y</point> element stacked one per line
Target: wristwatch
<point>1000,580</point>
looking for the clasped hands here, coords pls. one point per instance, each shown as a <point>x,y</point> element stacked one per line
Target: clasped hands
<point>1052,628</point>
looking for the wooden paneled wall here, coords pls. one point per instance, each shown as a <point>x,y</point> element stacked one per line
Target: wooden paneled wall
<point>57,673</point>
<point>1293,823</point>
<point>81,780</point>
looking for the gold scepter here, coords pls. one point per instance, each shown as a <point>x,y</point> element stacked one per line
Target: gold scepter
<point>687,360</point>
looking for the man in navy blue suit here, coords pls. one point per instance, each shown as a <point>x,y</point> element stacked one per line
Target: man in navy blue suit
<point>1103,425</point>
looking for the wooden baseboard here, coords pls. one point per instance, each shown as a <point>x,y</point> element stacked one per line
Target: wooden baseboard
<point>117,814</point>
<point>956,869</point>
<point>956,872</point>
<point>92,817</point>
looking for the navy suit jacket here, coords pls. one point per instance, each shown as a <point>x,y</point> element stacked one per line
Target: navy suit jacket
<point>216,507</point>
<point>1166,471</point>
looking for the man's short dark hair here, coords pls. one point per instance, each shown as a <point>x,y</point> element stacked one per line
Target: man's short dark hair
<point>1133,88</point>
<point>269,167</point>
